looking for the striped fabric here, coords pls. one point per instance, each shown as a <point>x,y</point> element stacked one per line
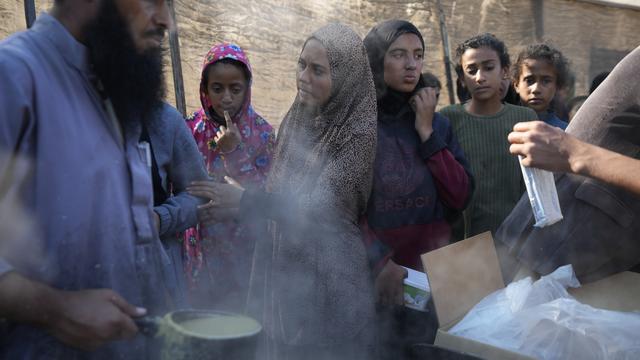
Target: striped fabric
<point>498,178</point>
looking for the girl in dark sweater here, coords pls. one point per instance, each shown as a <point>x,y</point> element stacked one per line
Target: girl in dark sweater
<point>421,177</point>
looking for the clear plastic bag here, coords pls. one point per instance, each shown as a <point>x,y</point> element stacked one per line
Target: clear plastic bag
<point>542,320</point>
<point>543,195</point>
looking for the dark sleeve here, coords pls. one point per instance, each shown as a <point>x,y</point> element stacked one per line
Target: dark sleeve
<point>179,212</point>
<point>378,253</point>
<point>447,163</point>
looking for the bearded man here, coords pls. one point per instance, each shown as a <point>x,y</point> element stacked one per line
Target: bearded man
<point>75,88</point>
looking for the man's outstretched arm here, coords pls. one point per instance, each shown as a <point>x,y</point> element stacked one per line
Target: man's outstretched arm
<point>546,147</point>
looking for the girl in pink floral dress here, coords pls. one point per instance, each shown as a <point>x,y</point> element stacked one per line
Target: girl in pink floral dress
<point>219,250</point>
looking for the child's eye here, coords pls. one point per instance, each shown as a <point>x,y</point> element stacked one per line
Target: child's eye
<point>236,90</point>
<point>419,56</point>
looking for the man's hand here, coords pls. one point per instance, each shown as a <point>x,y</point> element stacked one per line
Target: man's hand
<point>423,104</point>
<point>545,146</point>
<point>389,284</point>
<point>88,319</point>
<point>84,319</point>
<point>550,148</point>
<point>228,137</point>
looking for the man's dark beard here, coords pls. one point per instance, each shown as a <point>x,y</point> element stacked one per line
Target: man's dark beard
<point>133,81</point>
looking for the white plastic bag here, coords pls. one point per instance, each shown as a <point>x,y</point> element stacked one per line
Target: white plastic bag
<point>542,320</point>
<point>543,195</point>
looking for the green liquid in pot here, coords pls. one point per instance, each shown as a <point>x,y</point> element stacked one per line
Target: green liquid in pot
<point>220,326</point>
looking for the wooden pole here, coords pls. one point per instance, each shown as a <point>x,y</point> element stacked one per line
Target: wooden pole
<point>176,64</point>
<point>29,12</point>
<point>445,49</point>
<point>537,8</point>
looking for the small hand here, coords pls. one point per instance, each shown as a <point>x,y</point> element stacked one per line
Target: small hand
<point>228,137</point>
<point>423,104</point>
<point>87,319</point>
<point>389,284</point>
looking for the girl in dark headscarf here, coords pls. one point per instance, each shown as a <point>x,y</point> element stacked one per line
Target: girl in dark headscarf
<point>421,176</point>
<point>312,273</point>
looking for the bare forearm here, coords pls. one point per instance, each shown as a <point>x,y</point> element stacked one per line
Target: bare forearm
<point>606,166</point>
<point>26,301</point>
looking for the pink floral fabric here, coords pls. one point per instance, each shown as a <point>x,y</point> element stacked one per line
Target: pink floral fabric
<point>217,257</point>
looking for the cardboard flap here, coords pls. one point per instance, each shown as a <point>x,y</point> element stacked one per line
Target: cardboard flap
<point>619,292</point>
<point>462,274</point>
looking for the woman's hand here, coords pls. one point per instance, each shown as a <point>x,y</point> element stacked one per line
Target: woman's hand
<point>423,104</point>
<point>228,137</point>
<point>390,284</point>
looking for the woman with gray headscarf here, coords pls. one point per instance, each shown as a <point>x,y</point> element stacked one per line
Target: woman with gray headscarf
<point>311,276</point>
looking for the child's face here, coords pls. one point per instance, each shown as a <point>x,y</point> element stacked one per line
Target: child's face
<point>403,63</point>
<point>482,73</point>
<point>537,84</point>
<point>226,88</point>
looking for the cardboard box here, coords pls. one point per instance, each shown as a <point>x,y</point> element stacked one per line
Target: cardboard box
<point>463,273</point>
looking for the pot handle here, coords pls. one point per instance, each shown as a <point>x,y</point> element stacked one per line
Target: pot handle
<point>148,325</point>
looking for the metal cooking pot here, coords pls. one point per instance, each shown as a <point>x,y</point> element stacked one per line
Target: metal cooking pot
<point>203,334</point>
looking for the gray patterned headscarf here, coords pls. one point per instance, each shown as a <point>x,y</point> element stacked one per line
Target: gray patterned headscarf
<point>303,142</point>
<point>317,284</point>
